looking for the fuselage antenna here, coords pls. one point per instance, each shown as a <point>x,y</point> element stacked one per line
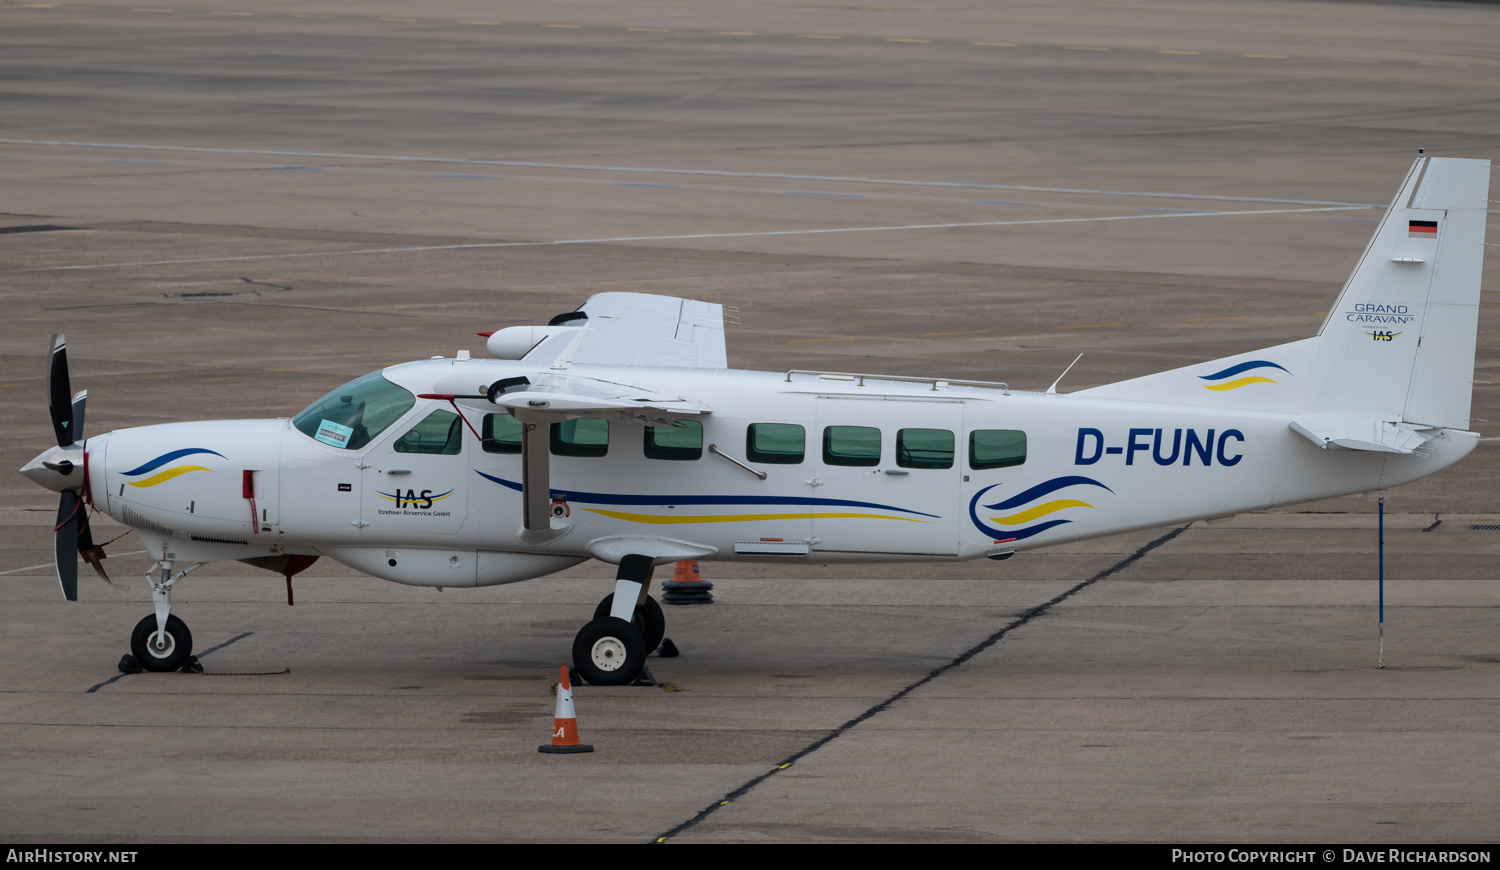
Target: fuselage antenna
<point>1052,390</point>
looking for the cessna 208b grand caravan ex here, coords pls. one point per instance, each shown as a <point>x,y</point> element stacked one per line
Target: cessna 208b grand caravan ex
<point>617,432</point>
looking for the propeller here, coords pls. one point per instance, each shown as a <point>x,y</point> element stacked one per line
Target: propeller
<point>71,535</point>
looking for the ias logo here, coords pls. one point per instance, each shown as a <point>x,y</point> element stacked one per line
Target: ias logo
<point>412,498</point>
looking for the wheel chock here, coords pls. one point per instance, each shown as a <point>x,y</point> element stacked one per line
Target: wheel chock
<point>667,650</point>
<point>128,665</point>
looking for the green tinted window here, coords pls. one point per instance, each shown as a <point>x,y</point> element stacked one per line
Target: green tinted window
<point>354,413</point>
<point>775,443</point>
<point>440,432</point>
<point>924,448</point>
<point>501,434</point>
<point>996,448</point>
<point>580,438</point>
<point>851,445</point>
<point>670,442</point>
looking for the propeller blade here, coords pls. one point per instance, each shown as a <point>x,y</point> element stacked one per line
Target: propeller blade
<point>79,400</point>
<point>60,392</point>
<point>65,544</point>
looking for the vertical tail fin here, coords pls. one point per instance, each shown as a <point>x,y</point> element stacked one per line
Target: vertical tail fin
<point>1398,344</point>
<point>1396,350</point>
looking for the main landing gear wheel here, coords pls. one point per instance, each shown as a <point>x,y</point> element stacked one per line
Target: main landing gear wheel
<point>167,653</point>
<point>648,620</point>
<point>609,652</point>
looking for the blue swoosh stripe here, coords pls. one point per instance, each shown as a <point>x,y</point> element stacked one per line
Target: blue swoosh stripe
<point>163,459</point>
<point>1241,367</point>
<point>1042,489</point>
<point>607,498</point>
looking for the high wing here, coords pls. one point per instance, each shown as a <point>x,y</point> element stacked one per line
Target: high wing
<point>638,330</point>
<point>552,398</point>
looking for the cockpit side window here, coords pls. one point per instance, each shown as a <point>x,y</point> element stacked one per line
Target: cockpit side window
<point>440,433</point>
<point>501,434</point>
<point>355,413</point>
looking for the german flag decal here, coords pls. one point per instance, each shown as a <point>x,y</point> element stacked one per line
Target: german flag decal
<point>1421,229</point>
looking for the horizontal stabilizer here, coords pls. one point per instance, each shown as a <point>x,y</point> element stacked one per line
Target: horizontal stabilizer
<point>1351,433</point>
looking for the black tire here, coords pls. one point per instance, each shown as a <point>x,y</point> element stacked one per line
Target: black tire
<point>648,620</point>
<point>609,652</point>
<point>179,644</point>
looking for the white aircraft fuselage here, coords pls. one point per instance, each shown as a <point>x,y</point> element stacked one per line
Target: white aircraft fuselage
<point>1091,467</point>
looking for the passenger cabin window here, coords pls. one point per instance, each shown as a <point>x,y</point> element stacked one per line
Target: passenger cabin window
<point>440,432</point>
<point>501,433</point>
<point>851,445</point>
<point>354,413</point>
<point>996,448</point>
<point>924,448</point>
<point>683,441</point>
<point>580,438</point>
<point>775,443</point>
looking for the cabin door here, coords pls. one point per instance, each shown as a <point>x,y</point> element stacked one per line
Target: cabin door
<point>416,482</point>
<point>887,474</point>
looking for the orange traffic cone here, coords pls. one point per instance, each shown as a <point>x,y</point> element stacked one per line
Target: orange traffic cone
<point>687,586</point>
<point>565,723</point>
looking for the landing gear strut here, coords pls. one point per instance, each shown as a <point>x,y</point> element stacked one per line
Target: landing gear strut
<point>162,642</point>
<point>611,650</point>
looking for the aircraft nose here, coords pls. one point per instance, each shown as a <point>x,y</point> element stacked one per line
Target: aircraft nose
<point>56,468</point>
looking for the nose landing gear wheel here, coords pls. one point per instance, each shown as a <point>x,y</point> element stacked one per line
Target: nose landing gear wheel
<point>164,653</point>
<point>648,620</point>
<point>609,652</point>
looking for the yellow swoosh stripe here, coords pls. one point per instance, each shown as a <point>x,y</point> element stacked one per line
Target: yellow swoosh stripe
<point>167,475</point>
<point>1236,384</point>
<point>1040,510</point>
<point>738,518</point>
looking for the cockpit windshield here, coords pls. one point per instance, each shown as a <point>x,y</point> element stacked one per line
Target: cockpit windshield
<point>355,413</point>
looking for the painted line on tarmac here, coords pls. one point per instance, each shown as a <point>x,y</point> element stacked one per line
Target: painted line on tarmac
<point>589,167</point>
<point>50,564</point>
<point>240,636</point>
<point>685,237</point>
<point>970,653</point>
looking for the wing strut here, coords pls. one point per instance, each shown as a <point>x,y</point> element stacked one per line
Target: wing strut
<point>536,487</point>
